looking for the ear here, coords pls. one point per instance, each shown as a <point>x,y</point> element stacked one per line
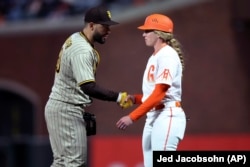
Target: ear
<point>91,25</point>
<point>158,35</point>
<point>160,38</point>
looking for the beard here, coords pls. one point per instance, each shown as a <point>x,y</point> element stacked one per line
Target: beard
<point>99,38</point>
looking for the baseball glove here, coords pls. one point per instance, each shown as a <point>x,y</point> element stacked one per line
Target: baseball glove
<point>90,120</point>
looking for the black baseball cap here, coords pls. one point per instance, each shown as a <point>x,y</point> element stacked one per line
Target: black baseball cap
<point>99,15</point>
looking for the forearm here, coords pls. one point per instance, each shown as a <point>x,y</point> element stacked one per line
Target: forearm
<point>95,91</point>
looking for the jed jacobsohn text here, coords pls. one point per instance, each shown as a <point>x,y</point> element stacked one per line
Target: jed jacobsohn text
<point>197,158</point>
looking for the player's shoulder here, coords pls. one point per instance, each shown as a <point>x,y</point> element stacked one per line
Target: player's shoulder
<point>167,50</point>
<point>79,42</point>
<point>78,38</point>
<point>168,54</point>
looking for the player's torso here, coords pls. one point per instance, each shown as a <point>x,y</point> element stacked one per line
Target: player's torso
<point>76,64</point>
<point>164,67</point>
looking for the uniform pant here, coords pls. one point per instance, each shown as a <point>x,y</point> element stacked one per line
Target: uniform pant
<point>67,134</point>
<point>162,131</point>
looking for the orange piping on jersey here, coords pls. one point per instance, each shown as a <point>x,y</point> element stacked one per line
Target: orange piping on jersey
<point>138,98</point>
<point>169,127</point>
<point>153,100</point>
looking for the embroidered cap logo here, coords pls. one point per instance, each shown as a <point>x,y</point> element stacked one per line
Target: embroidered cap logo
<point>154,20</point>
<point>109,14</point>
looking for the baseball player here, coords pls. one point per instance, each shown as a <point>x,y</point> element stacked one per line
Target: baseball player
<point>73,89</point>
<point>161,99</point>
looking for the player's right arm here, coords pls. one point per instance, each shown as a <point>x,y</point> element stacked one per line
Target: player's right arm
<point>95,91</point>
<point>153,100</point>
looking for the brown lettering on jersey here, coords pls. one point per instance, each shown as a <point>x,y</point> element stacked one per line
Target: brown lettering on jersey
<point>67,44</point>
<point>59,61</point>
<point>150,77</point>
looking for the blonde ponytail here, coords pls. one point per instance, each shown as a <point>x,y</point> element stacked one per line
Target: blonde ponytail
<point>174,43</point>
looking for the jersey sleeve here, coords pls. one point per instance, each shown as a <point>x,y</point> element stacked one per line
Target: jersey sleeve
<point>83,67</point>
<point>167,66</point>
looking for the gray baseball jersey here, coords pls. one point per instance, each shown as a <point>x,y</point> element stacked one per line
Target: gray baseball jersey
<point>76,65</point>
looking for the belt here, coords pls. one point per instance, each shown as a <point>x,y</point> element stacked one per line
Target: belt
<point>79,105</point>
<point>82,105</point>
<point>168,104</point>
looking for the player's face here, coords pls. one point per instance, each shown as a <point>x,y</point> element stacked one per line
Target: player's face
<point>150,37</point>
<point>101,33</point>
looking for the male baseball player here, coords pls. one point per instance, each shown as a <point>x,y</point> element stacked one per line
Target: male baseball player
<point>161,99</point>
<point>74,87</point>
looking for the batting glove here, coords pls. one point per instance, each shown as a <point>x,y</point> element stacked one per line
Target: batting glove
<point>124,100</point>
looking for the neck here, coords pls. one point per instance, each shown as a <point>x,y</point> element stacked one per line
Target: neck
<point>158,47</point>
<point>88,38</point>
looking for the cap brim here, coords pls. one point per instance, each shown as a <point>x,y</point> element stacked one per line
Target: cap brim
<point>108,22</point>
<point>144,28</point>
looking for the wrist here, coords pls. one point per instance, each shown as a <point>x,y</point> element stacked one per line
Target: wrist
<point>119,97</point>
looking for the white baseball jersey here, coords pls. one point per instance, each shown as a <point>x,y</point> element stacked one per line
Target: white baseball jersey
<point>164,67</point>
<point>164,128</point>
<point>76,65</point>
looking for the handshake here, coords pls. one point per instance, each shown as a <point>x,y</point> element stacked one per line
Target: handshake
<point>125,100</point>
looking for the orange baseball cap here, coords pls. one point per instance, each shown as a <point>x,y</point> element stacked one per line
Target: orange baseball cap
<point>158,22</point>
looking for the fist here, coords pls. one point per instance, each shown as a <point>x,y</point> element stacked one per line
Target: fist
<point>126,100</point>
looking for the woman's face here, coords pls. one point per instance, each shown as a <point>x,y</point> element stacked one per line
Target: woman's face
<point>150,37</point>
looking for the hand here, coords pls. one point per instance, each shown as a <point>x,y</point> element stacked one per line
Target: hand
<point>125,100</point>
<point>124,122</point>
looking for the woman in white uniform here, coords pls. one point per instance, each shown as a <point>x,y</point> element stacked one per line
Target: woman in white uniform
<point>162,90</point>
